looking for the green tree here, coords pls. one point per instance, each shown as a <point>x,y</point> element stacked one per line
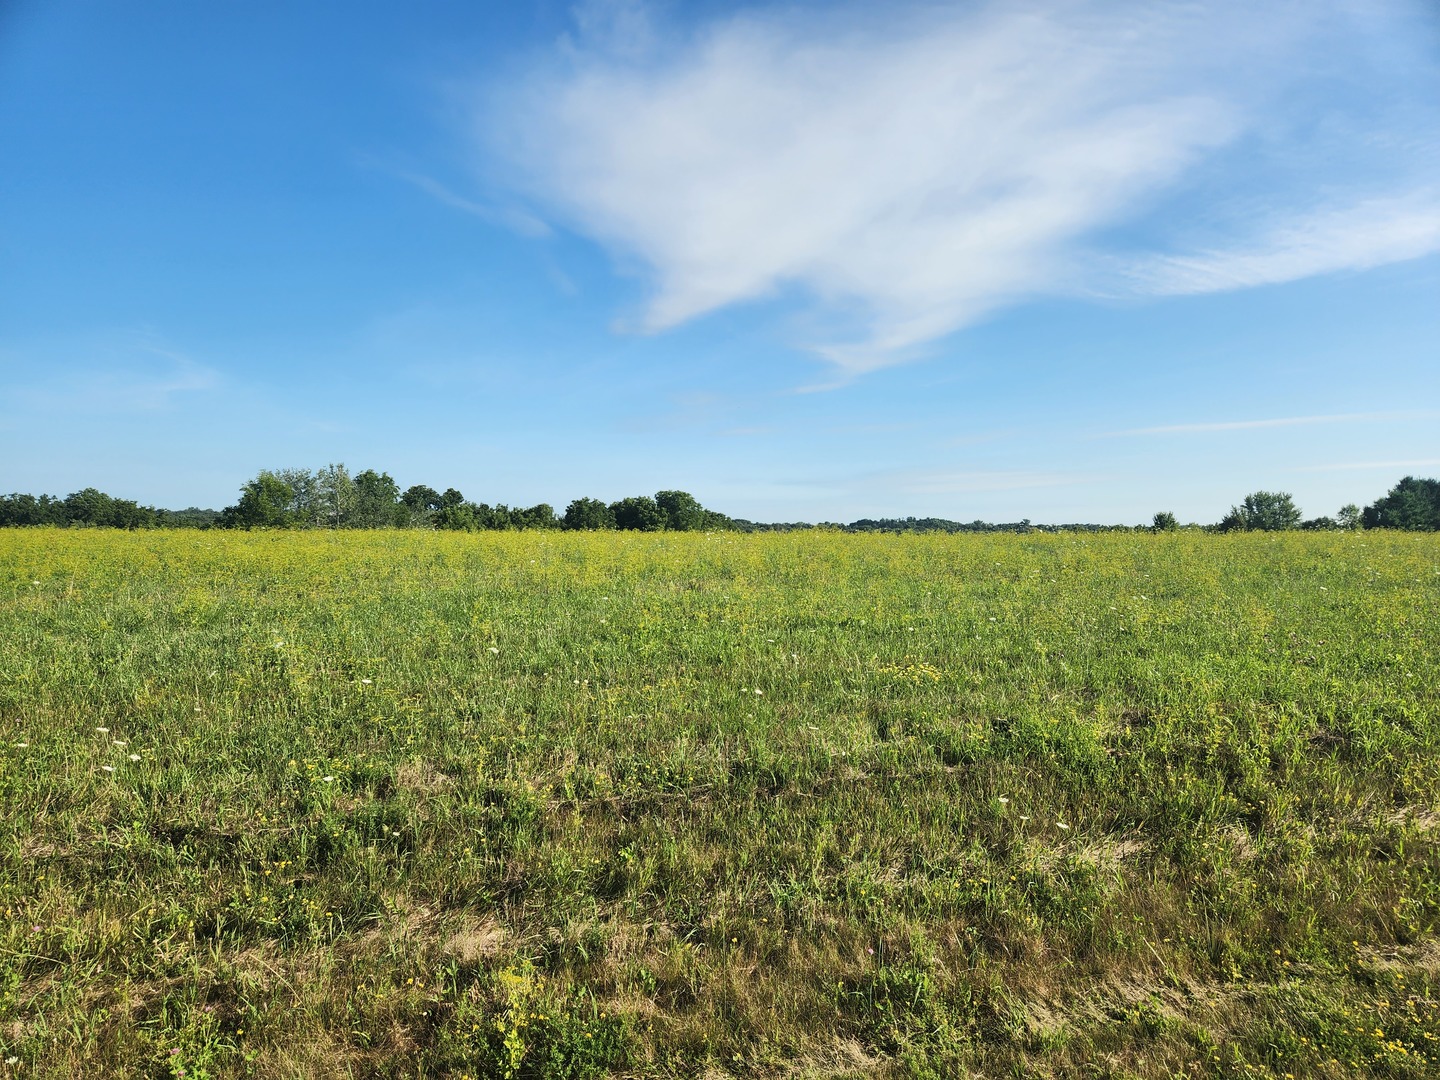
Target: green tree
<point>1413,503</point>
<point>683,513</point>
<point>420,499</point>
<point>460,518</point>
<point>1164,522</point>
<point>307,509</point>
<point>1266,511</point>
<point>90,506</point>
<point>490,517</point>
<point>638,512</point>
<point>1348,517</point>
<point>335,496</point>
<point>264,504</point>
<point>18,509</point>
<point>377,502</point>
<point>539,516</point>
<point>588,514</point>
<point>128,514</point>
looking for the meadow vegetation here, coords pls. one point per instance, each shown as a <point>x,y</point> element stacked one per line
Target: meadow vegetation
<point>565,805</point>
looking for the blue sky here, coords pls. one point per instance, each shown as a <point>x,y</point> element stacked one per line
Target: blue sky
<point>1060,260</point>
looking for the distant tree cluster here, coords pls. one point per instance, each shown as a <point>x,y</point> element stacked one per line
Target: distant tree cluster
<point>95,509</point>
<point>1411,504</point>
<point>1275,511</point>
<point>944,525</point>
<point>331,498</point>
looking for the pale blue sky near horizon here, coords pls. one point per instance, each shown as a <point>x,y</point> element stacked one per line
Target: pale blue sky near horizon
<point>1056,260</point>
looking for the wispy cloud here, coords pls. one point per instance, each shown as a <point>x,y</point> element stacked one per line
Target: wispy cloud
<point>1275,422</point>
<point>524,223</point>
<point>1414,463</point>
<point>1371,233</point>
<point>127,374</point>
<point>972,481</point>
<point>913,171</point>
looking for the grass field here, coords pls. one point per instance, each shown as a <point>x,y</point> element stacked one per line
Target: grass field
<point>810,805</point>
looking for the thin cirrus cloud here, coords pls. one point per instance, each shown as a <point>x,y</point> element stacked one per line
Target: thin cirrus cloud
<point>910,175</point>
<point>1371,233</point>
<point>125,373</point>
<point>1276,422</point>
<point>1416,463</point>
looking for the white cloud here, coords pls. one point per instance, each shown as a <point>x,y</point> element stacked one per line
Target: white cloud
<point>968,482</point>
<point>1371,233</point>
<point>519,220</point>
<point>913,170</point>
<point>1275,422</point>
<point>126,373</point>
<point>1414,463</point>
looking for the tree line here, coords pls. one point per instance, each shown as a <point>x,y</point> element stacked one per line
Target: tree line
<point>1412,504</point>
<point>331,498</point>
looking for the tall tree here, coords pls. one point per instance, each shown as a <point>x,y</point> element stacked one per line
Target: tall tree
<point>638,512</point>
<point>264,504</point>
<point>1413,503</point>
<point>420,499</point>
<point>306,505</point>
<point>588,514</point>
<point>683,513</point>
<point>1269,511</point>
<point>539,516</point>
<point>377,502</point>
<point>18,509</point>
<point>335,494</point>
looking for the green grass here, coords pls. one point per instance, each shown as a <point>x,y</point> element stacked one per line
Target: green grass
<point>557,805</point>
